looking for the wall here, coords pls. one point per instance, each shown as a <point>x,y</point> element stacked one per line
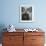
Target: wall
<point>10,13</point>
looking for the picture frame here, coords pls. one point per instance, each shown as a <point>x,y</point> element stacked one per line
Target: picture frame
<point>26,13</point>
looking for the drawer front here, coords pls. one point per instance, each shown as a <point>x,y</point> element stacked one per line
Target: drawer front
<point>12,39</point>
<point>12,44</point>
<point>34,33</point>
<point>34,39</point>
<point>37,44</point>
<point>37,39</point>
<point>13,33</point>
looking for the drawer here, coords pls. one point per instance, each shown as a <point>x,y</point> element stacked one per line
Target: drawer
<point>34,33</point>
<point>13,33</point>
<point>37,44</point>
<point>12,39</point>
<point>37,39</point>
<point>33,39</point>
<point>9,45</point>
<point>12,44</point>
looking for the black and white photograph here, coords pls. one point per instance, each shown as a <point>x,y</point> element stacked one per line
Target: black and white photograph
<point>26,13</point>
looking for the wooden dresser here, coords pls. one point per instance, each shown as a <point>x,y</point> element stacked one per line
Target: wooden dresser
<point>23,38</point>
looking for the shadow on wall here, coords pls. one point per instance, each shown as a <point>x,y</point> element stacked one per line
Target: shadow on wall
<point>2,26</point>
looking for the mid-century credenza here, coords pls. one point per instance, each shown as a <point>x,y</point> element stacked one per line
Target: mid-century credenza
<point>22,38</point>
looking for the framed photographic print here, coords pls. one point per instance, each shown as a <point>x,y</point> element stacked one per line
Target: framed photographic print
<point>26,13</point>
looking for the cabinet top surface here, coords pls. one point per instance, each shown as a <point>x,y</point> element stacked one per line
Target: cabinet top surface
<point>22,30</point>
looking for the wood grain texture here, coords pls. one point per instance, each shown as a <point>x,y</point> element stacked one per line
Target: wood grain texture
<point>34,39</point>
<point>13,39</point>
<point>23,39</point>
